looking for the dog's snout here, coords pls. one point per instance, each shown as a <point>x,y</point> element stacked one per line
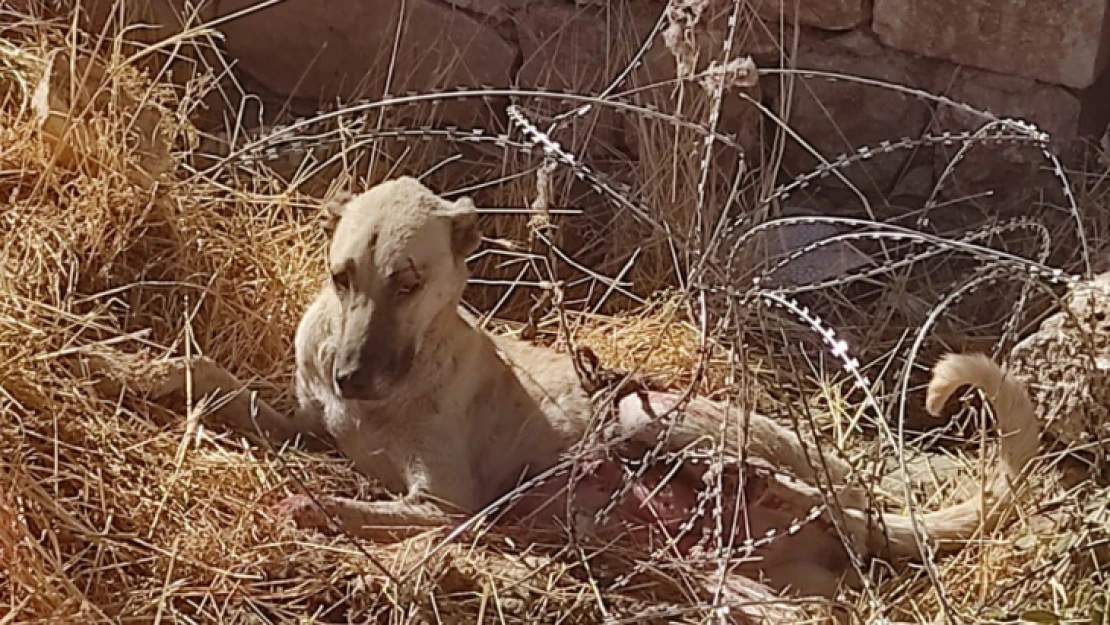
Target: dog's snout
<point>372,360</point>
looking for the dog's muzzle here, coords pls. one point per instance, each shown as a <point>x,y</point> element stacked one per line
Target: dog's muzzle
<point>373,380</point>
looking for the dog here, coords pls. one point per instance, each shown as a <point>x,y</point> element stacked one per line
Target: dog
<point>392,373</point>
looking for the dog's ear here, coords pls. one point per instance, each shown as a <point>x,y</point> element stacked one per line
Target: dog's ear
<point>465,235</point>
<point>334,207</point>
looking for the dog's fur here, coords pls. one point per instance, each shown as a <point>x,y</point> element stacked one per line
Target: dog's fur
<point>399,380</point>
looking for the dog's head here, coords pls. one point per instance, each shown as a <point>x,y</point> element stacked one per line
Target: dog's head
<point>398,264</point>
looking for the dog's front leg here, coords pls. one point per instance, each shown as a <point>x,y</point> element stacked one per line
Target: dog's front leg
<point>201,376</point>
<point>426,464</point>
<point>372,520</point>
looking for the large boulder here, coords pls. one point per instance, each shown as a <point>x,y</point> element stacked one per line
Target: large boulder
<point>1065,366</point>
<point>355,49</point>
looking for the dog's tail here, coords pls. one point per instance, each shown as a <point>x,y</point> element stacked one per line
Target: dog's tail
<point>1020,433</point>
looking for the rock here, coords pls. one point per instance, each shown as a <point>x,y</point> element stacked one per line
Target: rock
<point>1053,109</point>
<point>738,117</point>
<point>1065,367</point>
<point>1094,114</point>
<point>769,44</point>
<point>840,116</point>
<point>581,50</point>
<point>345,52</point>
<point>825,14</point>
<point>915,185</point>
<point>494,8</point>
<point>1056,42</point>
<point>160,18</point>
<point>182,13</point>
<point>1008,171</point>
<point>821,263</point>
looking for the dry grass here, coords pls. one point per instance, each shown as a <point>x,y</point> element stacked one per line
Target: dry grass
<point>111,512</point>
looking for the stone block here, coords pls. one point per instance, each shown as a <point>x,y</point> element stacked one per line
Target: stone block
<point>738,116</point>
<point>1094,114</point>
<point>840,116</point>
<point>1056,42</point>
<point>494,8</point>
<point>1008,171</point>
<point>580,49</point>
<point>351,51</point>
<point>1052,108</point>
<point>824,14</point>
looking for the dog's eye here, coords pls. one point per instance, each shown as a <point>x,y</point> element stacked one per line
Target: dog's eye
<point>341,279</point>
<point>407,284</point>
<point>406,281</point>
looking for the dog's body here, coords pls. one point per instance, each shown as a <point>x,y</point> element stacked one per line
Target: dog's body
<point>450,418</point>
<point>467,433</point>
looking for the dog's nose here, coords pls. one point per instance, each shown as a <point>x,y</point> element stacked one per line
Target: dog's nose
<point>349,384</point>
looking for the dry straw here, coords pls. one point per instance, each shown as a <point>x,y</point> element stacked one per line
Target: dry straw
<point>111,509</point>
<point>114,509</point>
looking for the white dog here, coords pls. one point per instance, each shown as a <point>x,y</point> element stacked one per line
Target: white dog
<point>392,374</point>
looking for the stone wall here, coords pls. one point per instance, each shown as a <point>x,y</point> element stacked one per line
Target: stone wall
<point>1040,60</point>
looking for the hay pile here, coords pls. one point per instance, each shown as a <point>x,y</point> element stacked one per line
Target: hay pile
<point>107,509</point>
<point>110,512</point>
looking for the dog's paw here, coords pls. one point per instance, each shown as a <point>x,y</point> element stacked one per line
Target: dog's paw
<point>304,511</point>
<point>112,371</point>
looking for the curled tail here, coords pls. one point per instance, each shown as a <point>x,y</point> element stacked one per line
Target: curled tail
<point>1019,430</point>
